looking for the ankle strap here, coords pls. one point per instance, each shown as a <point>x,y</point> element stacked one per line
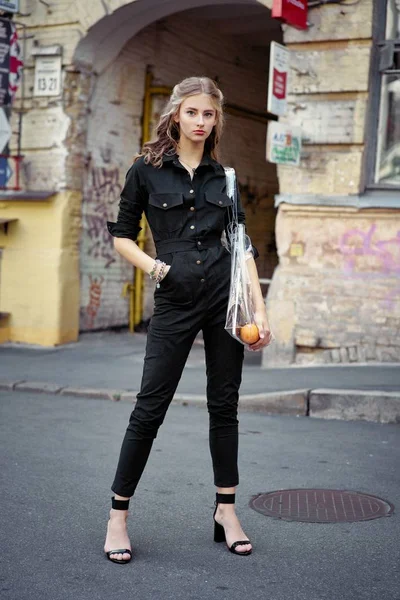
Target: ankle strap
<point>119,504</point>
<point>225,498</point>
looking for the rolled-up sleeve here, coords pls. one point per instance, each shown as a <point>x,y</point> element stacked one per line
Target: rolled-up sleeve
<point>131,207</point>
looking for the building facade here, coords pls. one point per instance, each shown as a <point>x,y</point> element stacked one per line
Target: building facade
<point>328,231</point>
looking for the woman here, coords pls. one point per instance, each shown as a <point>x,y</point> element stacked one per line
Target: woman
<point>179,185</point>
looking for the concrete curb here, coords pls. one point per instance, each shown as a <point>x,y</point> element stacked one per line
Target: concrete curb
<point>128,397</point>
<point>292,402</point>
<point>37,386</point>
<point>394,365</point>
<point>9,385</point>
<point>367,405</point>
<point>100,394</point>
<point>350,405</point>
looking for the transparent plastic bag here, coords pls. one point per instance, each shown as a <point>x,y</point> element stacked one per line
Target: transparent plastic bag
<point>240,320</point>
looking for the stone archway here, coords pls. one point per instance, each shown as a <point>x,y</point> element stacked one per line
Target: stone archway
<point>111,23</point>
<point>227,41</point>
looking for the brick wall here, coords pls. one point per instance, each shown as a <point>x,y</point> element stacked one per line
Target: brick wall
<point>336,294</point>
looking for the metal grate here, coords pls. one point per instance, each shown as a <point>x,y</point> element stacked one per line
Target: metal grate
<point>321,506</point>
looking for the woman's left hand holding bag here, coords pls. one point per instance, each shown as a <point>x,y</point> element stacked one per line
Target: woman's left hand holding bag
<point>261,320</point>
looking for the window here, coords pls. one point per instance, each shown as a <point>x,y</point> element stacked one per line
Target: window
<point>387,157</point>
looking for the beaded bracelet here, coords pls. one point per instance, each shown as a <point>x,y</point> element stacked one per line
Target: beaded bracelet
<point>157,278</point>
<point>152,273</point>
<point>160,275</point>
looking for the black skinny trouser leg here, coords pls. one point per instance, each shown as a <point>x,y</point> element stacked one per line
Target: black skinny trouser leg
<point>166,355</point>
<point>224,360</point>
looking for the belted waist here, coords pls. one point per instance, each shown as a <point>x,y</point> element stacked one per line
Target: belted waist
<point>182,245</point>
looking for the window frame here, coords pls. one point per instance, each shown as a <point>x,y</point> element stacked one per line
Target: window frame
<point>379,20</point>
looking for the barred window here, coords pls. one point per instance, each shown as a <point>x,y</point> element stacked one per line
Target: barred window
<point>387,165</point>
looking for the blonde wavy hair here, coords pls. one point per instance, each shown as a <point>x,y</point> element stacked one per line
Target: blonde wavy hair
<point>168,132</point>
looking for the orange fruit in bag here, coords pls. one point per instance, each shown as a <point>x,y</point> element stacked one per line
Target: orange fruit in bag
<point>249,333</point>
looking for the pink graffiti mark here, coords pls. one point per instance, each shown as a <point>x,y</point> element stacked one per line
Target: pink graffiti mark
<point>356,243</point>
<point>103,194</point>
<point>94,303</point>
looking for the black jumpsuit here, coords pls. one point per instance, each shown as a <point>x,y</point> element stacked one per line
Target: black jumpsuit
<point>186,217</point>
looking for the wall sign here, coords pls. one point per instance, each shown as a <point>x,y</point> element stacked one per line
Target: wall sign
<point>292,12</point>
<point>5,43</point>
<point>283,144</point>
<point>5,130</point>
<point>278,78</point>
<point>47,76</point>
<point>5,172</point>
<point>9,5</point>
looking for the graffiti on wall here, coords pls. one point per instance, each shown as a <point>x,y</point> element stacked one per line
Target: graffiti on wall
<point>102,271</point>
<point>92,308</point>
<point>356,243</point>
<point>382,254</point>
<point>103,195</point>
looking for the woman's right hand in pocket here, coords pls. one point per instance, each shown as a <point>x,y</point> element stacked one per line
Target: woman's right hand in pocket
<point>166,270</point>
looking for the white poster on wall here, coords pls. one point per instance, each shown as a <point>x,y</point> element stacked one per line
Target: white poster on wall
<point>278,79</point>
<point>283,144</point>
<point>47,76</point>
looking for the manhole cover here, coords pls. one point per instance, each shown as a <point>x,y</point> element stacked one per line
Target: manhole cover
<point>321,506</point>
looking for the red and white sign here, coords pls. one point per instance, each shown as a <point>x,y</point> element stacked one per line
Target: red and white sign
<point>292,12</point>
<point>278,78</point>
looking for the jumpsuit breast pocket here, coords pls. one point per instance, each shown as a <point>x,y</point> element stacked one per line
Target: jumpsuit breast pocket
<point>166,212</point>
<point>218,206</point>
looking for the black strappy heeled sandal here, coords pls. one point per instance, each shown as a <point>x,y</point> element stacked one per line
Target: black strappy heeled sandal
<point>119,505</point>
<point>219,531</point>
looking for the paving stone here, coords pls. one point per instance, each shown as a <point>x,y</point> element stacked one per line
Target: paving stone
<point>353,354</point>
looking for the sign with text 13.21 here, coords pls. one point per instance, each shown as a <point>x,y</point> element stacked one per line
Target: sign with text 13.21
<point>47,76</point>
<point>279,59</point>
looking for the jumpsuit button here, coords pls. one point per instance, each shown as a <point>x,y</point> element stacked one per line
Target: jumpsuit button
<point>199,243</point>
<point>192,227</point>
<point>165,205</point>
<point>198,262</point>
<point>220,202</point>
<point>192,208</point>
<point>202,280</point>
<point>191,192</point>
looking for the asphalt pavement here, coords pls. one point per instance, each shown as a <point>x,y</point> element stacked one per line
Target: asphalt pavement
<point>58,456</point>
<point>114,360</point>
